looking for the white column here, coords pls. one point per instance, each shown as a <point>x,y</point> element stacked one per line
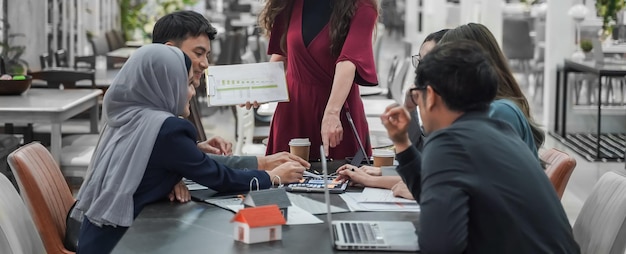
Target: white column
<point>470,11</point>
<point>71,52</point>
<point>411,22</point>
<point>21,15</point>
<point>559,45</point>
<point>64,24</point>
<point>491,17</point>
<point>55,24</point>
<point>435,13</point>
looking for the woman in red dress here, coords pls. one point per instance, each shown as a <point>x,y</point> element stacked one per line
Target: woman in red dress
<point>326,46</point>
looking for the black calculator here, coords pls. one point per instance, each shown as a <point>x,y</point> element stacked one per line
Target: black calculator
<point>317,185</point>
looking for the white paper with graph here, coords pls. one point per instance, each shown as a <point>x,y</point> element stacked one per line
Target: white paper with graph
<point>238,83</point>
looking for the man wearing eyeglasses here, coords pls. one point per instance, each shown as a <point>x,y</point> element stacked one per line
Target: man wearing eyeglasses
<point>481,190</point>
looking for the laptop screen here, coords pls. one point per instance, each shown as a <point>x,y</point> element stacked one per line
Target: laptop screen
<point>360,154</point>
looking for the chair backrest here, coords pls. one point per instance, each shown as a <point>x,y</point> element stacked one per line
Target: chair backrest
<point>61,59</point>
<point>392,75</point>
<point>600,226</point>
<point>196,118</point>
<point>66,77</point>
<point>516,41</point>
<point>44,191</point>
<point>397,86</point>
<point>559,167</point>
<point>113,41</point>
<point>99,45</point>
<point>245,128</point>
<point>231,47</point>
<point>45,60</point>
<point>119,36</point>
<point>17,230</point>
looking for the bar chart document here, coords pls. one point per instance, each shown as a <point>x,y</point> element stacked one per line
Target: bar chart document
<point>238,83</point>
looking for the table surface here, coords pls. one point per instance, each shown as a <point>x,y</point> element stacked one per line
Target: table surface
<point>52,106</point>
<point>196,227</point>
<point>608,68</point>
<point>46,100</point>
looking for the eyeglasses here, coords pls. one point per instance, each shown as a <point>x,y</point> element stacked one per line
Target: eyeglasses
<point>423,88</point>
<point>415,60</point>
<point>413,95</point>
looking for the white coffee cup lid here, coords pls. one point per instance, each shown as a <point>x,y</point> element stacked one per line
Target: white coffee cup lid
<point>300,142</point>
<point>383,153</point>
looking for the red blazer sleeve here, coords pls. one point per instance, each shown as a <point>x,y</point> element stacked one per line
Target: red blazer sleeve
<point>358,45</point>
<point>278,30</point>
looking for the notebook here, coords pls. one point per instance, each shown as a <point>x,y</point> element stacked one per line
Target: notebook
<point>367,235</point>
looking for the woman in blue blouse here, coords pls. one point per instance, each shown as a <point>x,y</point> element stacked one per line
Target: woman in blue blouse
<point>145,149</point>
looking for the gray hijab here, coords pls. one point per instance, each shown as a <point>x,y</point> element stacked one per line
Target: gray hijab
<point>150,87</point>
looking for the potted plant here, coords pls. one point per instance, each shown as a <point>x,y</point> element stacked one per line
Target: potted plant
<point>608,10</point>
<point>11,54</point>
<point>586,46</point>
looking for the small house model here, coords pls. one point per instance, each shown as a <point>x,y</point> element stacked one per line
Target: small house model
<point>268,197</point>
<point>258,224</point>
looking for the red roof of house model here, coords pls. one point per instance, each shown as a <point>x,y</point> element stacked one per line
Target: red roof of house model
<point>261,216</point>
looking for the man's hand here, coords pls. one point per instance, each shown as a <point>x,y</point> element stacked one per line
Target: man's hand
<point>289,172</point>
<point>216,145</point>
<point>249,105</point>
<point>270,162</point>
<point>396,120</point>
<point>401,190</point>
<point>332,131</point>
<point>180,193</point>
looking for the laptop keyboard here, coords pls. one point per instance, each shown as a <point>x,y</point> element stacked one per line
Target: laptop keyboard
<point>362,233</point>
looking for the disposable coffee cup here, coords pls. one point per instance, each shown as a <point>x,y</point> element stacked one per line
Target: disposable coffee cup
<point>383,158</point>
<point>300,147</point>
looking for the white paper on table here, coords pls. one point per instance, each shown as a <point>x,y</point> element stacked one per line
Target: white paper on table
<point>376,195</point>
<point>195,186</point>
<point>295,215</point>
<point>352,200</point>
<point>299,216</point>
<point>311,205</point>
<point>238,83</point>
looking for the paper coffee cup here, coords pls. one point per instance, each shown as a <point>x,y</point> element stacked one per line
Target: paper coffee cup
<point>300,147</point>
<point>383,158</point>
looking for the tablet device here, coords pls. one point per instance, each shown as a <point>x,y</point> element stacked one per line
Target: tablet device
<point>310,184</point>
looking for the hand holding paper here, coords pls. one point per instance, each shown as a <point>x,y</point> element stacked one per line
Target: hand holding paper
<point>245,83</point>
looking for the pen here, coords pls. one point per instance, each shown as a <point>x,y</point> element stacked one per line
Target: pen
<point>309,174</point>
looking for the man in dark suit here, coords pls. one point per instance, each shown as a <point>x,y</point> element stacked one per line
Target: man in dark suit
<point>481,190</point>
<point>192,33</point>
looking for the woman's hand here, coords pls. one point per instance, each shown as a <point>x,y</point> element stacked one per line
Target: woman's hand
<point>332,131</point>
<point>180,193</point>
<point>401,190</point>
<point>354,174</point>
<point>289,172</point>
<point>373,171</point>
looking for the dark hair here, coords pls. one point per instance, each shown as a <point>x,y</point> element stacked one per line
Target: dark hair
<point>436,36</point>
<point>178,26</point>
<point>461,73</point>
<point>507,85</point>
<point>339,23</point>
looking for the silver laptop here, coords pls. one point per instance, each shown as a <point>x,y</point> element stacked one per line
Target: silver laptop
<point>367,235</point>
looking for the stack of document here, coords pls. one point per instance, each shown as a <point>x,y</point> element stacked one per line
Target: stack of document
<point>374,199</point>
